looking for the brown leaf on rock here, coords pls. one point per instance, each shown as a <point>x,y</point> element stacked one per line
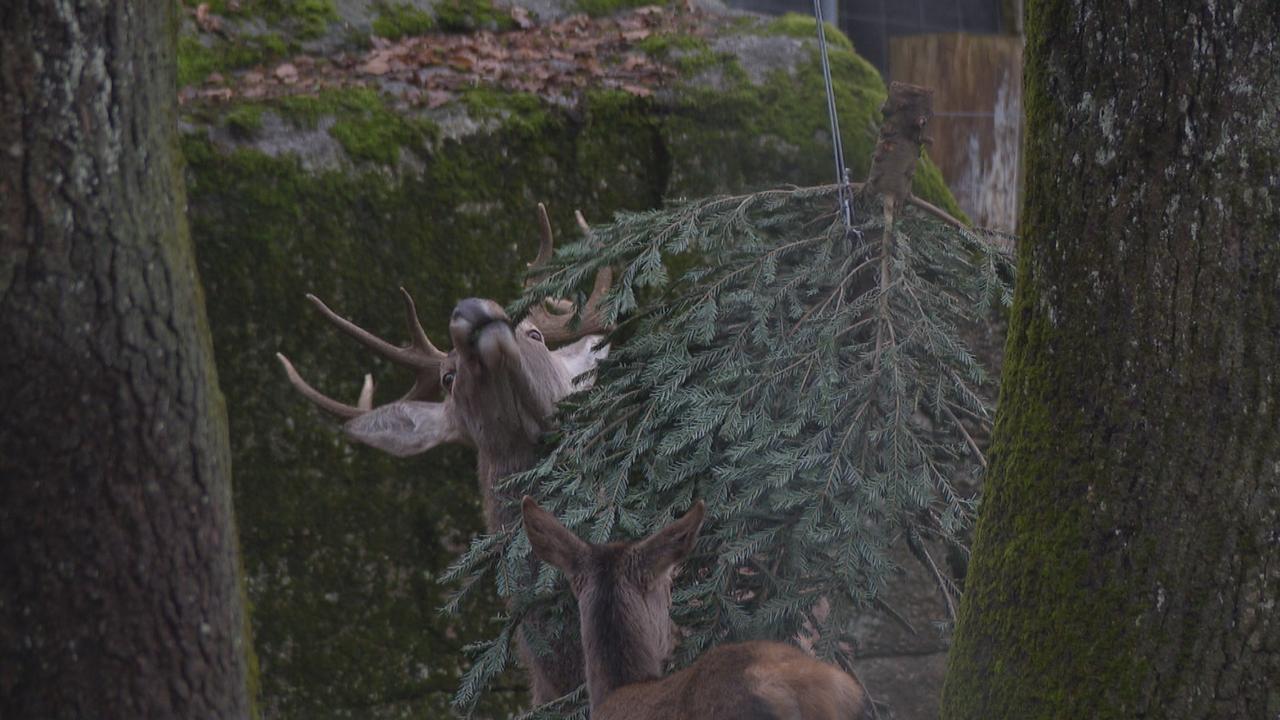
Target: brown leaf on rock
<point>287,73</point>
<point>219,94</point>
<point>376,65</point>
<point>205,20</point>
<point>555,59</point>
<point>463,61</point>
<point>633,61</point>
<point>523,20</point>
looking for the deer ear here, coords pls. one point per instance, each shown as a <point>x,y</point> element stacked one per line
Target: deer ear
<point>582,356</point>
<point>405,428</point>
<point>552,542</point>
<point>673,543</point>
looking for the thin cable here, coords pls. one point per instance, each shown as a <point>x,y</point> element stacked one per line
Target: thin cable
<point>837,143</point>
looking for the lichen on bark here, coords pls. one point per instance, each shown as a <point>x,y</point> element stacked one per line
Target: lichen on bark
<point>117,541</point>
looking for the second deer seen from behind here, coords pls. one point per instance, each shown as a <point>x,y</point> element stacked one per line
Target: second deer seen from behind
<point>624,600</point>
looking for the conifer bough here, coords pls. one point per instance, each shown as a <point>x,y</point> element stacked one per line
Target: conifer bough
<point>811,382</point>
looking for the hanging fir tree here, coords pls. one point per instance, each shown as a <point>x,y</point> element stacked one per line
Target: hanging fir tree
<point>808,379</point>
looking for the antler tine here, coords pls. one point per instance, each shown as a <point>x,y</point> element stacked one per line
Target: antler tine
<point>552,316</point>
<point>418,335</point>
<point>398,355</point>
<point>421,356</point>
<point>546,244</point>
<point>365,403</point>
<point>324,401</point>
<point>603,281</point>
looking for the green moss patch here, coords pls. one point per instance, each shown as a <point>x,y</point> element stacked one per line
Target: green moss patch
<point>805,27</point>
<point>472,15</point>
<point>397,20</point>
<point>598,8</point>
<point>196,60</point>
<point>366,127</point>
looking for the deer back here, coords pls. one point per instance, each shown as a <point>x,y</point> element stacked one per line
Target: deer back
<point>747,681</point>
<point>624,601</point>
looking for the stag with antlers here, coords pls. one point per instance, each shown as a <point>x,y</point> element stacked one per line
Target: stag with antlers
<point>500,386</point>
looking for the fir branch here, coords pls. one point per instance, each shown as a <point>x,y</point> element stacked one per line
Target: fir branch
<point>809,386</point>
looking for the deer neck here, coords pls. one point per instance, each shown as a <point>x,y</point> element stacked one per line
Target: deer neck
<point>501,510</point>
<point>615,656</point>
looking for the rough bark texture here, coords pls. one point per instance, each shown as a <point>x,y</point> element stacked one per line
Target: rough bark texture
<point>1127,561</point>
<point>906,112</point>
<point>117,546</point>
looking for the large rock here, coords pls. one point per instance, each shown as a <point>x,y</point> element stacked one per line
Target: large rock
<point>352,192</point>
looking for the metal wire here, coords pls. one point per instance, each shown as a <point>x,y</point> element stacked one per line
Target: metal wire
<point>837,143</point>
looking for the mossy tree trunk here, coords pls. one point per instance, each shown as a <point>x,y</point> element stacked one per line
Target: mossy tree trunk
<point>1126,559</point>
<point>117,546</point>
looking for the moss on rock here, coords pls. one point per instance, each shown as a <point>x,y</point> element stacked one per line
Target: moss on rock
<point>197,58</point>
<point>805,27</point>
<point>597,8</point>
<point>399,19</point>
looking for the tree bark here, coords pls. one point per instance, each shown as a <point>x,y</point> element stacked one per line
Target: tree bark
<point>118,579</point>
<point>1127,557</point>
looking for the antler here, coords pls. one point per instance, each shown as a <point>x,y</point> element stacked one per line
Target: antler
<point>420,356</point>
<point>552,315</point>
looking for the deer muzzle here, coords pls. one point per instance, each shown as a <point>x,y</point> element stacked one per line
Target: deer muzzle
<point>480,326</point>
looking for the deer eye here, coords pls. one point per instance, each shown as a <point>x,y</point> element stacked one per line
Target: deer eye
<point>447,380</point>
<point>535,334</point>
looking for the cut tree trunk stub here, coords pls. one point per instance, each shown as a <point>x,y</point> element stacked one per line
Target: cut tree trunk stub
<point>906,112</point>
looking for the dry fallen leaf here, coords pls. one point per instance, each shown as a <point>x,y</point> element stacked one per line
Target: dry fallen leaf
<point>633,61</point>
<point>523,20</point>
<point>462,61</point>
<point>377,65</point>
<point>222,94</point>
<point>206,21</point>
<point>436,98</point>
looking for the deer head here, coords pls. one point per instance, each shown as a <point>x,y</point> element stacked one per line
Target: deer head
<point>500,383</point>
<point>624,598</point>
<point>623,591</point>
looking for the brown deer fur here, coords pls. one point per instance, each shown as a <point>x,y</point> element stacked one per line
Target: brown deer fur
<point>501,384</point>
<point>624,600</point>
